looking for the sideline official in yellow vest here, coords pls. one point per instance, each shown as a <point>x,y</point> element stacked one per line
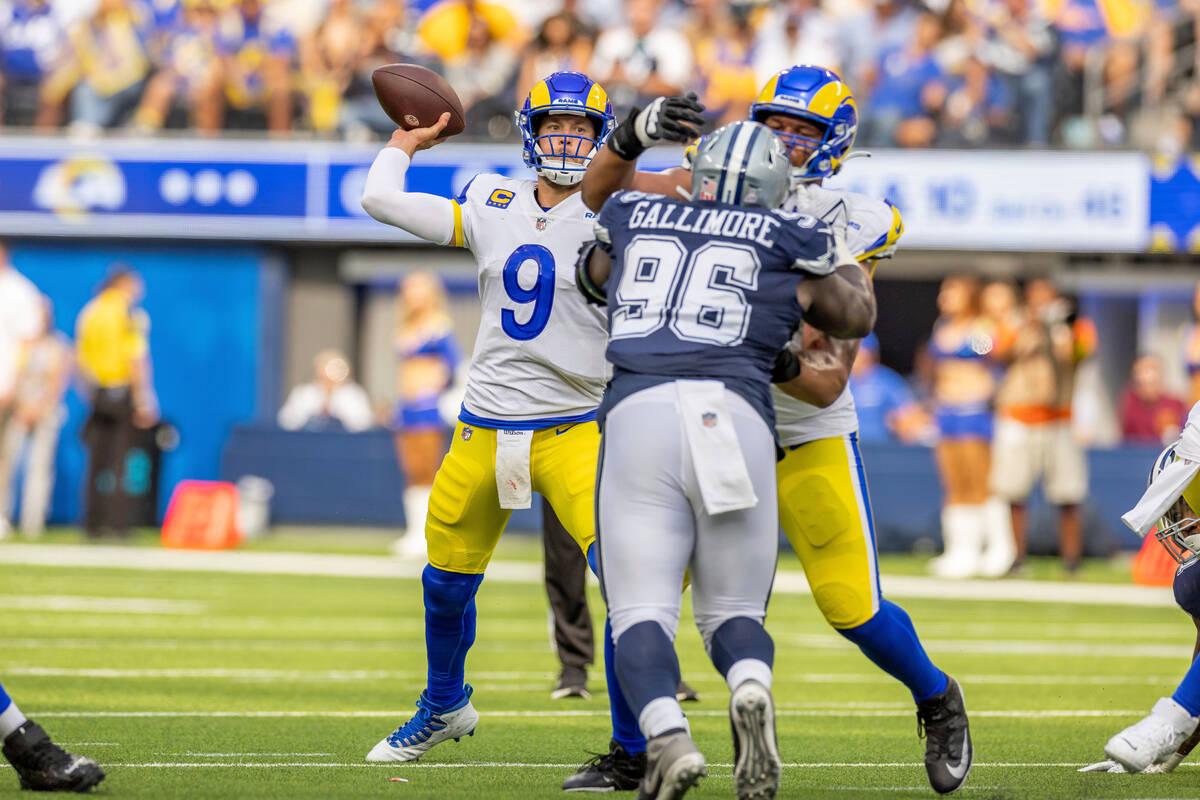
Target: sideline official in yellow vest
<point>114,360</point>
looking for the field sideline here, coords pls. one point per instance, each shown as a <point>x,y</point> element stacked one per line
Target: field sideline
<point>262,684</point>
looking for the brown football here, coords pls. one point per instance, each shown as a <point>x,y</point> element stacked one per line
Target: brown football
<point>414,97</point>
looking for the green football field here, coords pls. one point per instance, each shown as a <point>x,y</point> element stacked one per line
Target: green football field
<point>231,680</point>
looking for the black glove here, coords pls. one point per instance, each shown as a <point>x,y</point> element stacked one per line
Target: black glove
<point>787,366</point>
<point>666,119</point>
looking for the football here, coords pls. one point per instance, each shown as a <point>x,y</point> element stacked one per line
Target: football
<point>415,96</point>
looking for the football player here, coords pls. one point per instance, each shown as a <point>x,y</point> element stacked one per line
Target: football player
<point>40,764</point>
<point>1160,741</point>
<point>702,295</point>
<point>824,508</point>
<point>536,376</point>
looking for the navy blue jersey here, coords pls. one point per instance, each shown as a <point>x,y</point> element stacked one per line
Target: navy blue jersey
<point>704,290</point>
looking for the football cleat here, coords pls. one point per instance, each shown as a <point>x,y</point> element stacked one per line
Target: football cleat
<point>942,721</point>
<point>685,693</point>
<point>43,766</point>
<point>572,682</point>
<point>673,764</point>
<point>614,771</point>
<point>1152,739</point>
<point>427,728</point>
<point>756,764</point>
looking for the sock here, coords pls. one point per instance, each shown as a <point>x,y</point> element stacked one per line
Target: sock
<point>449,633</point>
<point>11,717</point>
<point>661,715</point>
<point>1188,693</point>
<point>624,722</point>
<point>890,641</point>
<point>738,639</point>
<point>748,669</point>
<point>647,667</point>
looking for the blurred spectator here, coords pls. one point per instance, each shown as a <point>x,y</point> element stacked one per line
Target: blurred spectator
<point>38,414</point>
<point>1192,351</point>
<point>887,410</point>
<point>389,39</point>
<point>329,57</point>
<point>975,528</point>
<point>796,32</point>
<point>999,305</point>
<point>32,45</point>
<point>190,71</point>
<point>1020,48</point>
<point>881,25</point>
<point>1034,438</point>
<point>642,59</point>
<point>480,74</point>
<point>563,44</point>
<point>114,361</point>
<point>331,401</point>
<point>20,323</point>
<point>1149,414</point>
<point>427,358</point>
<point>910,91</point>
<point>257,66</point>
<point>446,27</point>
<point>724,50</point>
<point>978,109</point>
<point>107,68</point>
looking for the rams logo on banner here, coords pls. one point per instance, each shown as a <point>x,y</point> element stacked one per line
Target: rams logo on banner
<point>74,186</point>
<point>500,198</point>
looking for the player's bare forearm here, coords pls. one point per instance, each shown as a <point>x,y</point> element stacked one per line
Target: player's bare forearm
<point>607,174</point>
<point>599,266</point>
<point>842,304</point>
<point>824,371</point>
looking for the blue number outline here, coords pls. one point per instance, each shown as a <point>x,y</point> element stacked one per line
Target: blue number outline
<point>541,294</point>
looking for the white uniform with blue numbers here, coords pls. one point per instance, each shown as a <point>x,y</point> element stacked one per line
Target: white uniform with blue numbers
<point>871,229</point>
<point>539,354</point>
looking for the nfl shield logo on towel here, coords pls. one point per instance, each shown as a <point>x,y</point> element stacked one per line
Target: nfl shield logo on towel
<point>709,419</point>
<point>466,434</point>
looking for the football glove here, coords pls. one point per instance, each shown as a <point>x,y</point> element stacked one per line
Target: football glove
<point>666,119</point>
<point>787,366</point>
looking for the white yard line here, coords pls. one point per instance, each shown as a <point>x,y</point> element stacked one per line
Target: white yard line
<point>336,565</point>
<point>1015,647</point>
<point>572,765</point>
<point>99,605</point>
<point>554,714</point>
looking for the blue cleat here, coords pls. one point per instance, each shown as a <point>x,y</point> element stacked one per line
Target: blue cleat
<point>427,728</point>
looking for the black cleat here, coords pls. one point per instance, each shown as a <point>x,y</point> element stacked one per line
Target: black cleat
<point>572,682</point>
<point>43,766</point>
<point>614,771</point>
<point>674,765</point>
<point>686,694</point>
<point>942,720</point>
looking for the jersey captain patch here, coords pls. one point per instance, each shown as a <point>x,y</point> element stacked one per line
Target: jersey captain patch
<point>500,198</point>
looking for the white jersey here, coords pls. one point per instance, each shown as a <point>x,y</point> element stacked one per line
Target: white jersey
<point>871,229</point>
<point>539,355</point>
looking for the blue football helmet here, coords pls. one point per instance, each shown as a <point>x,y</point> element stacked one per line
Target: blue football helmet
<point>819,95</point>
<point>564,93</point>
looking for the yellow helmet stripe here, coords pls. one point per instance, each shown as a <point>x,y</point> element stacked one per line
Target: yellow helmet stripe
<point>539,95</point>
<point>768,92</point>
<point>597,98</point>
<point>829,97</point>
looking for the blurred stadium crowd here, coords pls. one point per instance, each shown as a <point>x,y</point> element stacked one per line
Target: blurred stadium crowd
<point>959,73</point>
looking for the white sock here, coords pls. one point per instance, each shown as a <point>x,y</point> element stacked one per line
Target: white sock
<point>660,715</point>
<point>416,507</point>
<point>748,669</point>
<point>11,719</point>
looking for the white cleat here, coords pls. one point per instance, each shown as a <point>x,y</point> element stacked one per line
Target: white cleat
<point>1153,739</point>
<point>425,730</point>
<point>757,766</point>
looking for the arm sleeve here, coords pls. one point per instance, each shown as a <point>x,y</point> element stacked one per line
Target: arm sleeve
<point>426,216</point>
